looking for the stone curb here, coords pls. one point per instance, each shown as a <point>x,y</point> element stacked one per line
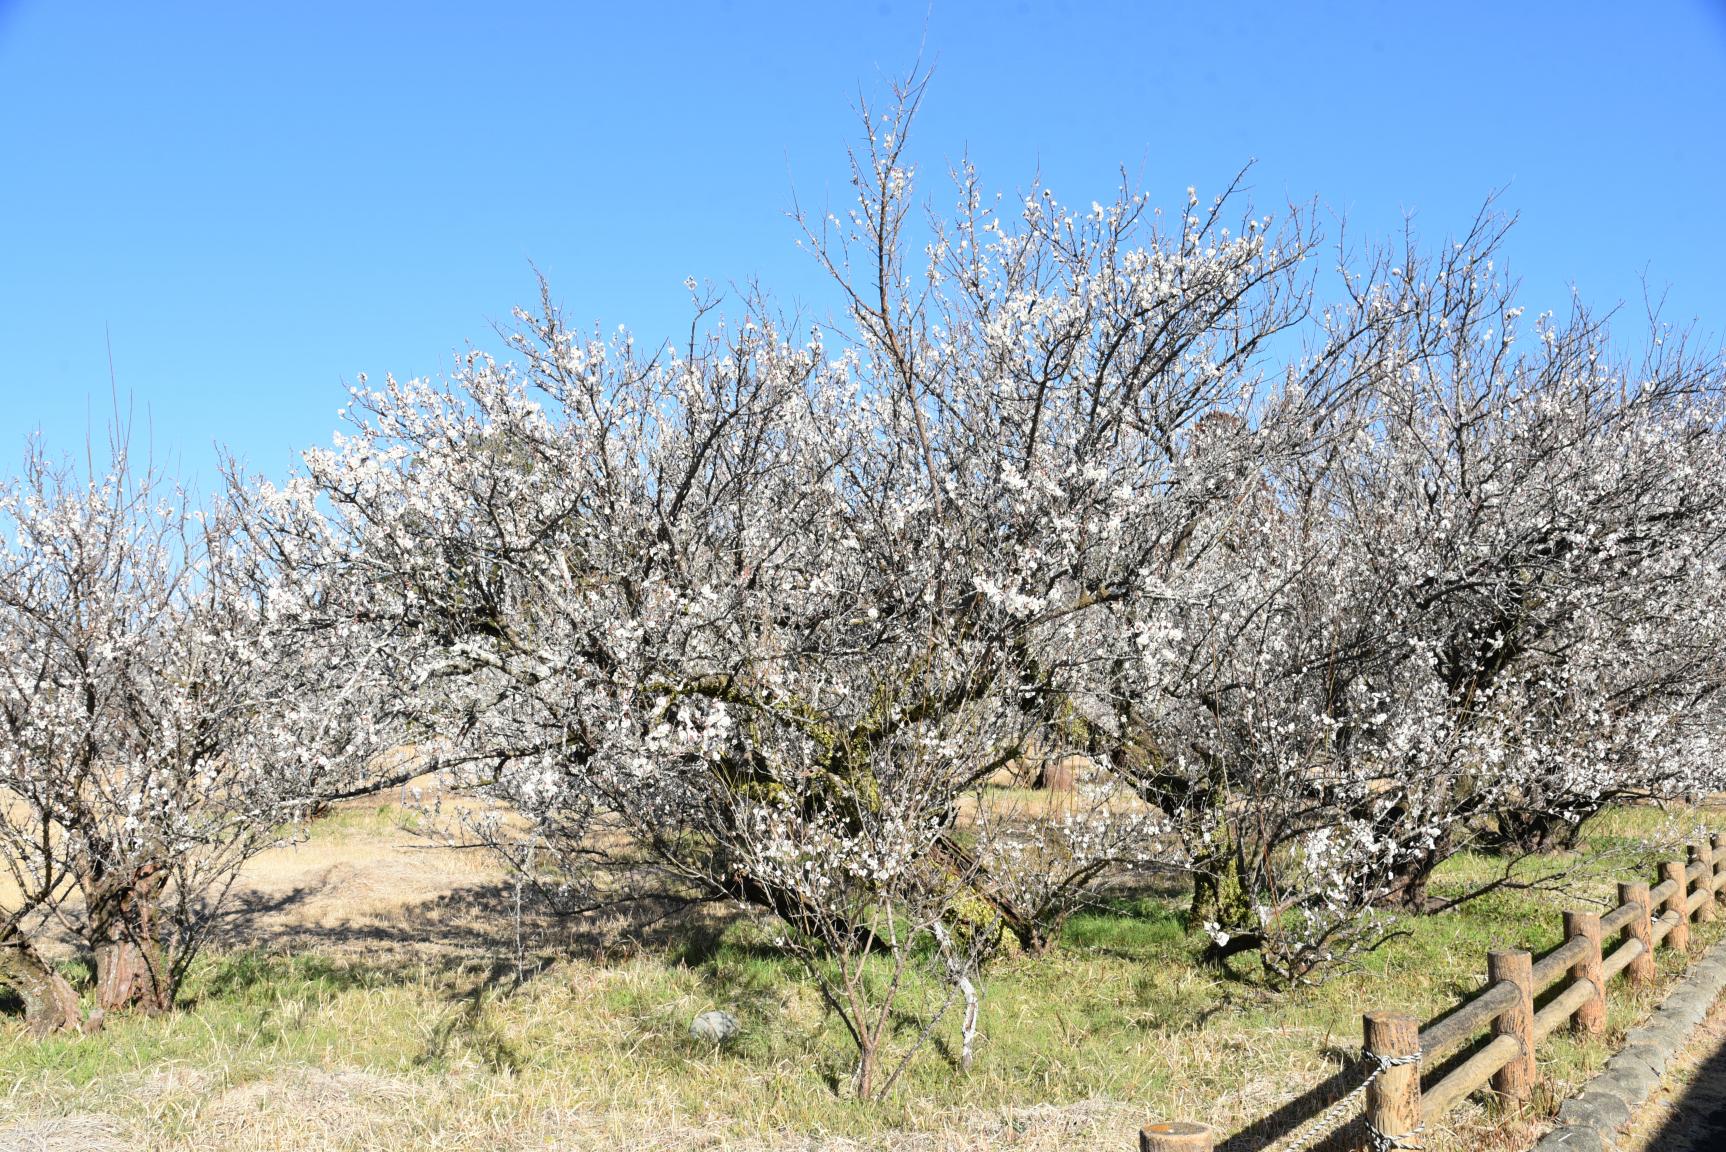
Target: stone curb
<point>1589,1121</point>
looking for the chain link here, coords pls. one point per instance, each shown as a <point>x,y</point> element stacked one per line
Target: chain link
<point>1327,1121</point>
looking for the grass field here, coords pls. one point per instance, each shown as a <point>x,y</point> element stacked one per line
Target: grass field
<point>367,995</point>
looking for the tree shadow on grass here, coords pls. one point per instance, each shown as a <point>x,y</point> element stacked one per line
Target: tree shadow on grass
<point>492,922</point>
<point>468,1027</point>
<point>748,979</point>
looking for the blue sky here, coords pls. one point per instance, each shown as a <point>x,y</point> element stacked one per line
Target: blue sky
<point>257,202</point>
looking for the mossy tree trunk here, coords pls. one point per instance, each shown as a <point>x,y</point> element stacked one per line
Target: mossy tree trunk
<point>1222,893</point>
<point>50,1004</point>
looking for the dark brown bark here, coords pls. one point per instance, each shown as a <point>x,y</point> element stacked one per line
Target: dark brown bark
<point>1526,830</point>
<point>1408,886</point>
<point>1410,878</point>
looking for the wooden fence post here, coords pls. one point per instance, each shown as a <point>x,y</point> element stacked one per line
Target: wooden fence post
<point>1591,1017</point>
<point>1704,852</point>
<point>1641,969</point>
<point>1177,1136</point>
<point>1714,842</point>
<point>1393,1099</point>
<point>1679,936</point>
<point>1516,1079</point>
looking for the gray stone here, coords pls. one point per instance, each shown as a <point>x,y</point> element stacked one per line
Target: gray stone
<point>1574,1140</point>
<point>1637,1081</point>
<point>1644,1055</point>
<point>714,1027</point>
<point>1604,1110</point>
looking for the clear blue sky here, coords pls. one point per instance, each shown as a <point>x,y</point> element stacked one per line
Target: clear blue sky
<point>259,201</point>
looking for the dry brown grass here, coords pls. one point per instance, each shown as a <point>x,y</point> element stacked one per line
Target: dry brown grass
<point>363,883</point>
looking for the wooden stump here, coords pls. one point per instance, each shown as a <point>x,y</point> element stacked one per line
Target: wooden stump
<point>1719,848</point>
<point>1177,1136</point>
<point>1705,882</point>
<point>1678,902</point>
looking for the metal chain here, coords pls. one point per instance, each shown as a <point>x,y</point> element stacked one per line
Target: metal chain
<point>1325,1122</point>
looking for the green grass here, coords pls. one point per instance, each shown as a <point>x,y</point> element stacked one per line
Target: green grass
<point>1119,1024</point>
<point>373,819</point>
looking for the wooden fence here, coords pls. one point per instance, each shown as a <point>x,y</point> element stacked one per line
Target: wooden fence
<point>1399,1108</point>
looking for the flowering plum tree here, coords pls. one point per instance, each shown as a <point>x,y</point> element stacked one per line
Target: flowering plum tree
<point>1478,605</point>
<point>1323,594</point>
<point>158,725</point>
<point>648,589</point>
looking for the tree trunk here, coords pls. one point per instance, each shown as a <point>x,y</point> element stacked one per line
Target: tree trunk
<point>1220,894</point>
<point>1410,876</point>
<point>866,1072</point>
<point>130,976</point>
<point>50,1004</point>
<point>985,917</point>
<point>1525,830</point>
<point>131,971</point>
<point>1408,885</point>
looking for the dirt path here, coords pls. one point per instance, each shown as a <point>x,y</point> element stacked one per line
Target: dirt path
<point>1688,1113</point>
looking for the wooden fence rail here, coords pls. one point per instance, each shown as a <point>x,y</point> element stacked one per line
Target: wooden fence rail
<point>1398,1108</point>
